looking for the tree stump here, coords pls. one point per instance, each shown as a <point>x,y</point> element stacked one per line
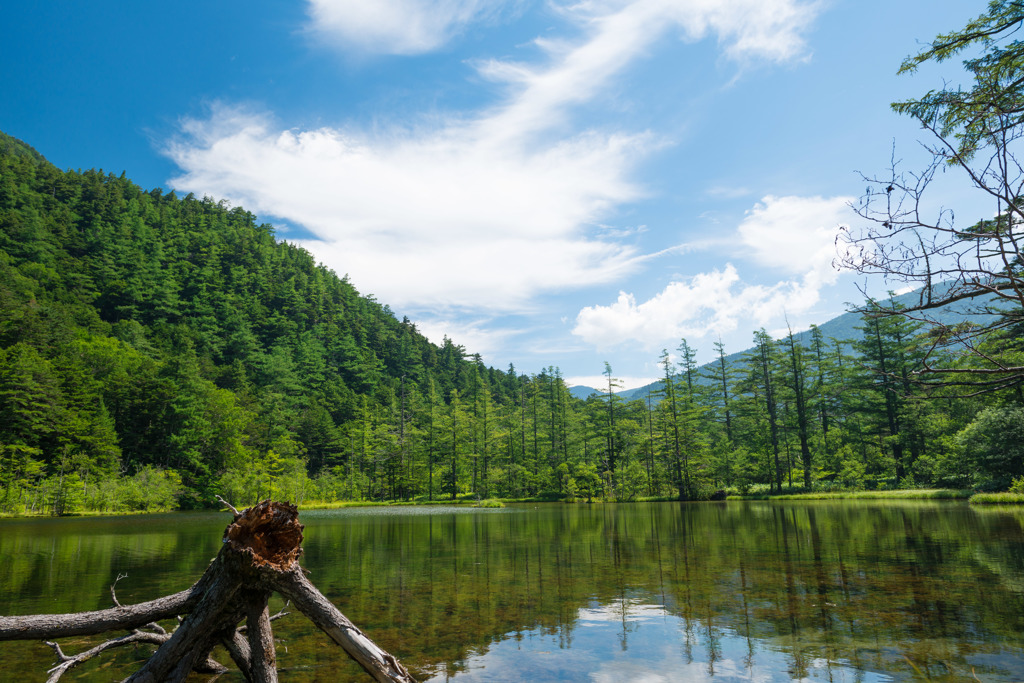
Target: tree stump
<point>259,556</point>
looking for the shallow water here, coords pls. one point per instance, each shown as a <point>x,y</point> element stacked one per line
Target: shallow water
<point>758,591</point>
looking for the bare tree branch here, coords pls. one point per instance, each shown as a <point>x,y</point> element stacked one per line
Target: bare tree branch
<point>228,505</point>
<point>113,594</point>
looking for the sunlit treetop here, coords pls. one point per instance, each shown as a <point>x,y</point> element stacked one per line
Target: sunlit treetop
<point>993,107</point>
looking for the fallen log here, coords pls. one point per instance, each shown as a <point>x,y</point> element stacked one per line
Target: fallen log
<point>259,556</point>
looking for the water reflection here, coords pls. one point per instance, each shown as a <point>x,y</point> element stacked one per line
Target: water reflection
<point>850,591</point>
<point>656,646</point>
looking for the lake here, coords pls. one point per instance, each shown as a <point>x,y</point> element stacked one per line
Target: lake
<point>651,592</point>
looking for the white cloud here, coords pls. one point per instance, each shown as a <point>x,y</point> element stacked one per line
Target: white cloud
<point>620,31</point>
<point>477,336</point>
<point>487,209</point>
<point>794,235</point>
<point>396,26</point>
<point>426,221</point>
<point>747,28</point>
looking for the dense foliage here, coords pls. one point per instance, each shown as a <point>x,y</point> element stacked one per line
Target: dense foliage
<point>156,350</point>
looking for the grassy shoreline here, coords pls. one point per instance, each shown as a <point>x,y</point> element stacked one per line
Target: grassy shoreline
<point>470,502</point>
<point>86,513</point>
<point>1005,498</point>
<point>907,494</point>
<point>970,496</point>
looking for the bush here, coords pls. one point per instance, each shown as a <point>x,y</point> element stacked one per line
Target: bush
<point>994,443</point>
<point>151,489</point>
<point>853,475</point>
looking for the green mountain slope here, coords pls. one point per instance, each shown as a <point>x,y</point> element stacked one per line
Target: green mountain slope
<point>142,330</point>
<point>13,147</point>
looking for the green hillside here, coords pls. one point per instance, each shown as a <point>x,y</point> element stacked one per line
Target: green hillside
<point>142,330</point>
<point>157,350</point>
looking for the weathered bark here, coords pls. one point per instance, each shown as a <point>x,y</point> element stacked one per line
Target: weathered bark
<point>263,657</point>
<point>238,648</point>
<point>260,555</point>
<point>37,626</point>
<point>175,658</point>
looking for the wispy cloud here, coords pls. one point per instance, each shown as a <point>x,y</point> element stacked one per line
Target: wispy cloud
<point>486,209</point>
<point>424,221</point>
<point>725,192</point>
<point>478,335</point>
<point>403,27</point>
<point>794,236</point>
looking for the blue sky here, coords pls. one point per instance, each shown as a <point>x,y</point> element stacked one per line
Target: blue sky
<point>547,183</point>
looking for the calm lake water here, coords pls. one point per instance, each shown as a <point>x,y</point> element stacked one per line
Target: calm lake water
<point>822,591</point>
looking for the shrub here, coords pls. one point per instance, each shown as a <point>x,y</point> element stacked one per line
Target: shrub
<point>994,443</point>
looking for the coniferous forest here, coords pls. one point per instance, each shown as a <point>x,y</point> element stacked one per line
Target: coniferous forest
<point>157,350</point>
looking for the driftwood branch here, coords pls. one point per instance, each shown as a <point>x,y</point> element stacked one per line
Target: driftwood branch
<point>113,591</point>
<point>68,662</point>
<point>263,657</point>
<point>259,556</point>
<point>228,505</point>
<point>238,648</point>
<point>44,626</point>
<point>307,599</point>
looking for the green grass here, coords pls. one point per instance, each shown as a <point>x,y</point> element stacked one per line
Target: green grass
<point>927,494</point>
<point>8,514</point>
<point>337,504</point>
<point>1004,498</point>
<point>465,501</point>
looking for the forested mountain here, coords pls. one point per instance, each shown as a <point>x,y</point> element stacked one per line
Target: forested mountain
<point>156,350</point>
<point>140,330</point>
<point>845,326</point>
